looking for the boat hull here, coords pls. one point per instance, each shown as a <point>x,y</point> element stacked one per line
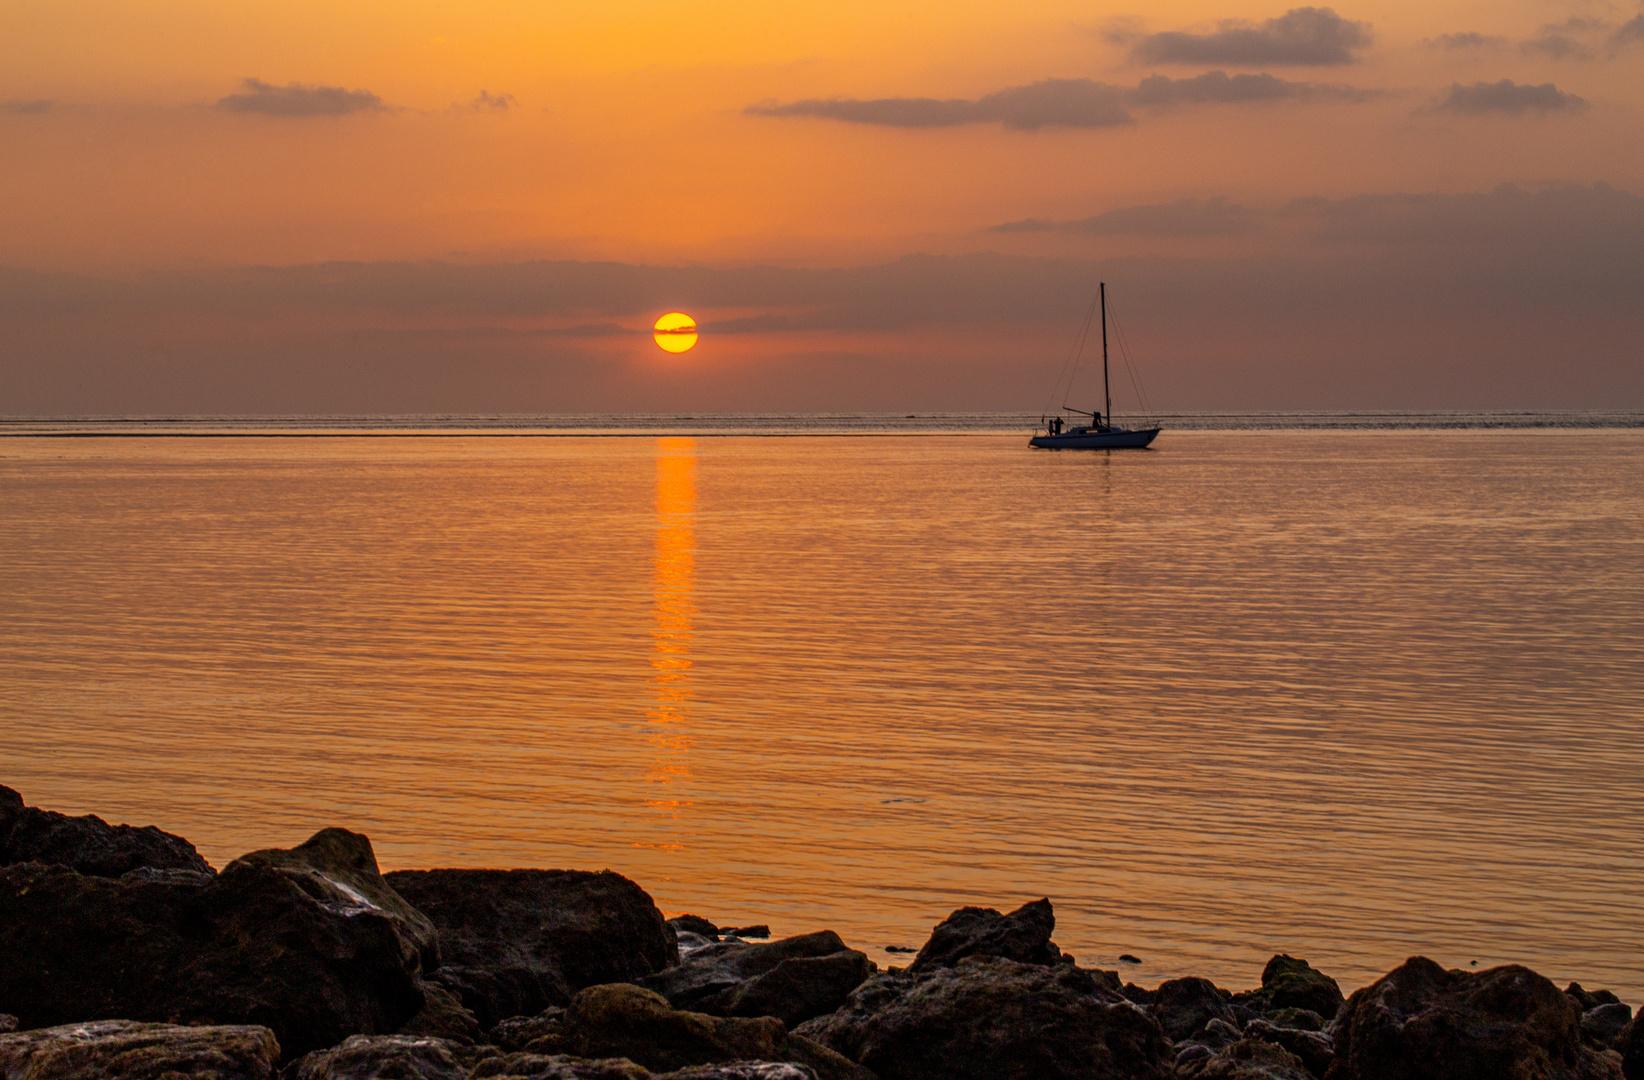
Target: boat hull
<point>1096,440</point>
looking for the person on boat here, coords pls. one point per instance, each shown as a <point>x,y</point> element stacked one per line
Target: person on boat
<point>1056,425</point>
<point>1096,421</point>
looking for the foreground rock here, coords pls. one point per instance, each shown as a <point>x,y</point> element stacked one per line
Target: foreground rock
<point>1292,992</point>
<point>516,941</point>
<point>561,1067</point>
<point>1185,1009</point>
<point>339,861</point>
<point>792,979</point>
<point>1023,936</point>
<point>988,1018</point>
<point>402,1057</point>
<point>1420,1021</point>
<point>1631,1046</point>
<point>123,1050</point>
<point>257,944</point>
<point>1247,1059</point>
<point>622,1020</point>
<point>88,844</point>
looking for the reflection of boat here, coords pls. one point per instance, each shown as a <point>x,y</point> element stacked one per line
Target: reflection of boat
<point>1095,435</point>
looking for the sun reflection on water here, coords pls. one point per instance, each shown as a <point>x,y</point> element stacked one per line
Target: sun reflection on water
<point>673,580</point>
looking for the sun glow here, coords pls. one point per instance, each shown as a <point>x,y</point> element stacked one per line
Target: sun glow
<point>675,332</point>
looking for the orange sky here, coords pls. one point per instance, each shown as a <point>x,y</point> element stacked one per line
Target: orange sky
<point>623,136</point>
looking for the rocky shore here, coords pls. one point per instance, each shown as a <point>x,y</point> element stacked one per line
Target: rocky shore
<point>123,954</point>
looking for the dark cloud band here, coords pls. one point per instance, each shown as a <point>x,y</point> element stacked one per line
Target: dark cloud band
<point>1509,97</point>
<point>1302,36</point>
<point>297,100</point>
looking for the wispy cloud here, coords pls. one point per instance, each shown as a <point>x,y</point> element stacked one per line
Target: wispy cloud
<point>1628,32</point>
<point>39,105</point>
<point>1507,96</point>
<point>489,102</point>
<point>298,100</point>
<point>1466,39</point>
<point>1303,36</point>
<point>1185,218</point>
<point>1066,103</point>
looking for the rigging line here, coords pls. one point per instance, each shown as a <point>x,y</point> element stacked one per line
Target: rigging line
<point>1070,366</point>
<point>1130,368</point>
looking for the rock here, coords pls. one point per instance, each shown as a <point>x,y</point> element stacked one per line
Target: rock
<point>1184,1006</point>
<point>1248,1059</point>
<point>761,931</point>
<point>1023,936</point>
<point>516,941</point>
<point>442,1016</point>
<point>1591,999</point>
<point>1315,1049</point>
<point>743,1070</point>
<point>1217,1033</point>
<point>1631,1046</point>
<point>343,861</point>
<point>622,1020</point>
<point>87,844</point>
<point>793,979</point>
<point>400,1057</point>
<point>990,1018</point>
<point>1603,1024</point>
<point>694,924</point>
<point>1126,958</point>
<point>689,942</point>
<point>900,949</point>
<point>518,1033</point>
<point>8,1022</point>
<point>1420,1022</point>
<point>1300,1019</point>
<point>1293,984</point>
<point>255,944</point>
<point>125,1050</point>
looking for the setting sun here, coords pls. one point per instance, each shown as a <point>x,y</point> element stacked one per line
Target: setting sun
<point>675,332</point>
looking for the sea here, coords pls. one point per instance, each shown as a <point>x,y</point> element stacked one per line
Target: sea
<point>1349,686</point>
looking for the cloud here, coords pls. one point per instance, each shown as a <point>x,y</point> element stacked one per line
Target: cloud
<point>1507,221</point>
<point>27,107</point>
<point>488,102</point>
<point>1218,86</point>
<point>1078,103</point>
<point>1067,103</point>
<point>1507,96</point>
<point>295,99</point>
<point>1306,35</point>
<point>1186,218</point>
<point>1630,31</point>
<point>1467,39</point>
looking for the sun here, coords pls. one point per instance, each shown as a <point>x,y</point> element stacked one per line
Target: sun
<point>675,332</point>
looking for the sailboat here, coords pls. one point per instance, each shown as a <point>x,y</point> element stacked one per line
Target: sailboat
<point>1098,434</point>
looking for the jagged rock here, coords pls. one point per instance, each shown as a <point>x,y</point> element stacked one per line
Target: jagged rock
<point>1291,983</point>
<point>622,1020</point>
<point>8,1022</point>
<point>1217,1033</point>
<point>442,1016</point>
<point>760,931</point>
<point>557,1067</point>
<point>793,979</point>
<point>990,1018</point>
<point>694,924</point>
<point>743,1070</point>
<point>518,1033</point>
<point>1300,1019</point>
<point>400,1057</point>
<point>689,942</point>
<point>125,1050</point>
<point>1315,1049</point>
<point>1420,1022</point>
<point>516,941</point>
<point>1591,999</point>
<point>87,844</point>
<point>1631,1046</point>
<point>1248,1059</point>
<point>1023,936</point>
<point>344,861</point>
<point>1603,1024</point>
<point>255,944</point>
<point>1184,1006</point>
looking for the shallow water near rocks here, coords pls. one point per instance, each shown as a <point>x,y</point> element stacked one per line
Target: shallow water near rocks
<point>1353,695</point>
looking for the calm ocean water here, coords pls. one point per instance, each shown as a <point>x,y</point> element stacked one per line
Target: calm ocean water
<point>1352,690</point>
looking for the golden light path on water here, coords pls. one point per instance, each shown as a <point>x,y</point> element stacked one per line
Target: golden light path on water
<point>673,580</point>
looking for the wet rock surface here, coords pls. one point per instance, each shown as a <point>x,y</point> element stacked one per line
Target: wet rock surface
<point>1630,1044</point>
<point>1603,1024</point>
<point>1247,1059</point>
<point>1420,1021</point>
<point>249,946</point>
<point>124,1050</point>
<point>792,979</point>
<point>401,1057</point>
<point>989,1017</point>
<point>1023,936</point>
<point>516,941</point>
<point>88,844</point>
<point>1186,1007</point>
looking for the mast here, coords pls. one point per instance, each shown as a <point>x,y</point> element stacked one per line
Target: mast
<point>1107,394</point>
